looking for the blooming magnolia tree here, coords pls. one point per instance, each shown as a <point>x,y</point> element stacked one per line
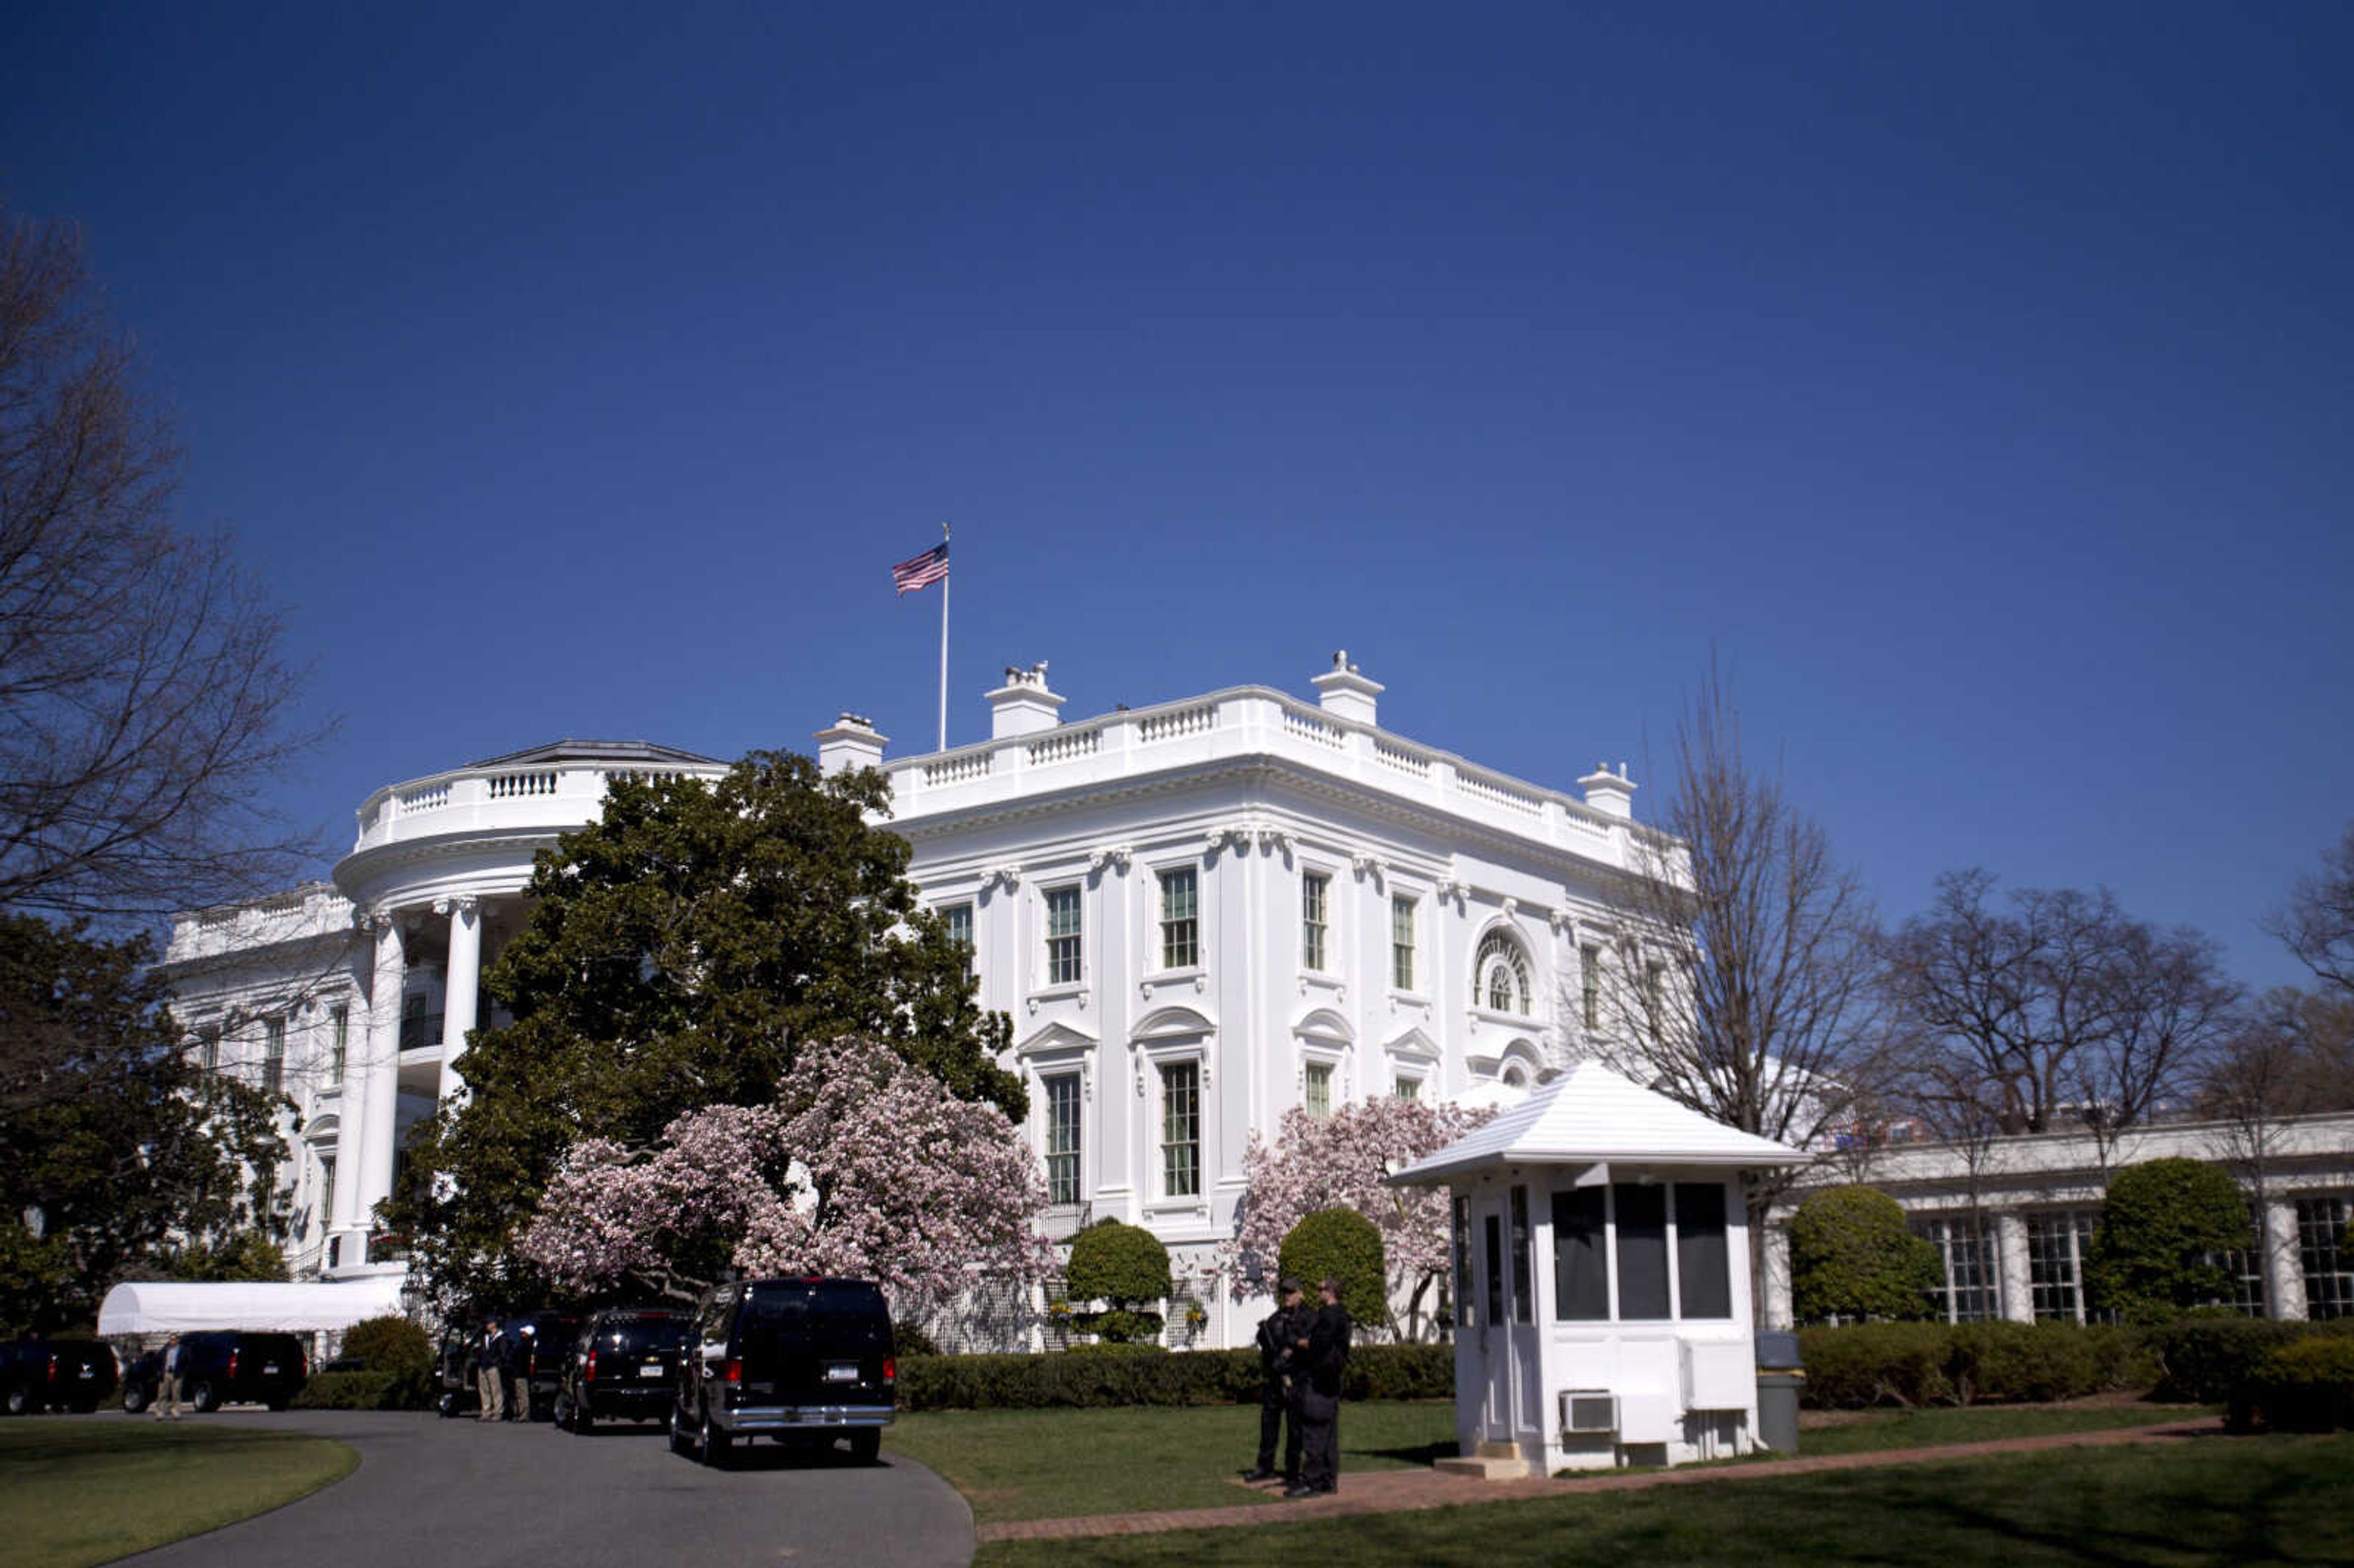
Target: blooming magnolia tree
<point>864,1165</point>
<point>1338,1162</point>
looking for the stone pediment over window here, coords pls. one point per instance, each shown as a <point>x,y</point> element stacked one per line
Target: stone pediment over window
<point>1171,1024</point>
<point>1323,1024</point>
<point>1413,1046</point>
<point>1054,1039</point>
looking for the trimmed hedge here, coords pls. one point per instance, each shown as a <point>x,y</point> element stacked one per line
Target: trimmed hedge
<point>364,1391</point>
<point>2308,1386</point>
<point>1105,1376</point>
<point>1913,1364</point>
<point>2251,1367</point>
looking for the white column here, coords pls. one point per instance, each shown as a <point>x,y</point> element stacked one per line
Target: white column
<point>1775,1311</point>
<point>460,986</point>
<point>2283,1264</point>
<point>380,1098</point>
<point>2018,1298</point>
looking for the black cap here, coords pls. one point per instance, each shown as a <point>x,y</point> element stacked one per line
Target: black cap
<point>1287,1286</point>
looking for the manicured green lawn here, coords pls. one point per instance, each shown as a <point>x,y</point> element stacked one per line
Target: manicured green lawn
<point>77,1492</point>
<point>2240,1502</point>
<point>1983,1424</point>
<point>1050,1464</point>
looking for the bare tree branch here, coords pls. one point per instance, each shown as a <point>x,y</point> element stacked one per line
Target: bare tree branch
<point>2316,924</point>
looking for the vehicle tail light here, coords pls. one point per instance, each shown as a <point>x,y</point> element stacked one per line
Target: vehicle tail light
<point>53,1369</point>
<point>890,1369</point>
<point>589,1371</point>
<point>232,1365</point>
<point>731,1371</point>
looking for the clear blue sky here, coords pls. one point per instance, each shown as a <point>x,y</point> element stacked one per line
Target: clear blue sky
<point>1975,379</point>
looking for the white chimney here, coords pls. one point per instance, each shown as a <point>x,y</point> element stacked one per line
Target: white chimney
<point>1022,705</point>
<point>1612,794</point>
<point>1345,694</point>
<point>852,743</point>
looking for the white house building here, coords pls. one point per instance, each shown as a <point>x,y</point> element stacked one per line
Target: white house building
<point>1198,915</point>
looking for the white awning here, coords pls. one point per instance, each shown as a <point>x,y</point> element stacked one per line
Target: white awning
<point>156,1306</point>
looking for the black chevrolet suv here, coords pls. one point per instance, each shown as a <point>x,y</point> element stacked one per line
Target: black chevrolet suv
<point>224,1366</point>
<point>802,1361</point>
<point>622,1368</point>
<point>54,1375</point>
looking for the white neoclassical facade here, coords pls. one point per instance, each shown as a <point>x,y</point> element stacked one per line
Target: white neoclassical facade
<point>1198,915</point>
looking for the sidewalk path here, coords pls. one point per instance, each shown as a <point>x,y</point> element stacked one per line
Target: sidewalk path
<point>1396,1492</point>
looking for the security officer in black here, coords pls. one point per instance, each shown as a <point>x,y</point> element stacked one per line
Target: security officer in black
<point>1277,1348</point>
<point>1323,1354</point>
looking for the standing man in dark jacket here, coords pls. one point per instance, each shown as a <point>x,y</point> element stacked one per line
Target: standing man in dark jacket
<point>1323,1355</point>
<point>1277,1335</point>
<point>490,1371</point>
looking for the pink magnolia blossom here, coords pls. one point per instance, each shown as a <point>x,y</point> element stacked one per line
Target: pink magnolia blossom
<point>863,1166</point>
<point>1338,1162</point>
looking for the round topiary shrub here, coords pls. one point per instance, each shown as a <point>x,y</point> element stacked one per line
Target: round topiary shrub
<point>390,1345</point>
<point>2163,1224</point>
<point>1125,1266</point>
<point>1853,1258</point>
<point>1341,1245</point>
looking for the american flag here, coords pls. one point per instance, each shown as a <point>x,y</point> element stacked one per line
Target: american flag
<point>922,571</point>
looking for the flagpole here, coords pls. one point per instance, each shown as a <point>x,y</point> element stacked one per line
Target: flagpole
<point>944,649</point>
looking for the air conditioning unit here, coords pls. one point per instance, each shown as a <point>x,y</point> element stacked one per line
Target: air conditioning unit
<point>1589,1411</point>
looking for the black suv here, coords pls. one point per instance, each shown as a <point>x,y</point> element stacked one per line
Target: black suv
<point>622,1368</point>
<point>537,1344</point>
<point>802,1361</point>
<point>224,1366</point>
<point>453,1368</point>
<point>54,1375</point>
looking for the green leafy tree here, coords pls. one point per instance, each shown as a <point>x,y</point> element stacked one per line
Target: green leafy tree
<point>1853,1256</point>
<point>2164,1226</point>
<point>1344,1245</point>
<point>119,1151</point>
<point>1125,1267</point>
<point>680,950</point>
<point>246,1255</point>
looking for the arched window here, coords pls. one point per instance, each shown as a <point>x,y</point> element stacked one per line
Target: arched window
<point>1500,976</point>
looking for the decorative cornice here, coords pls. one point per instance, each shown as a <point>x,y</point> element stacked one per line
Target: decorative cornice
<point>1512,909</point>
<point>456,903</point>
<point>1112,854</point>
<point>1275,838</point>
<point>1010,875</point>
<point>1217,839</point>
<point>1366,866</point>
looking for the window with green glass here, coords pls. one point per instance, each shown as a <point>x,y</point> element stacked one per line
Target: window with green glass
<point>1181,1130</point>
<point>1402,943</point>
<point>1062,936</point>
<point>1318,1093</point>
<point>1181,922</point>
<point>1315,890</point>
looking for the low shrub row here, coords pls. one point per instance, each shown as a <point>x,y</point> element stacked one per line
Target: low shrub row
<point>364,1391</point>
<point>1868,1364</point>
<point>1103,1375</point>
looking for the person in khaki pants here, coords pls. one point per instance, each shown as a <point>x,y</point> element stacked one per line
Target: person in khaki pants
<point>490,1372</point>
<point>167,1383</point>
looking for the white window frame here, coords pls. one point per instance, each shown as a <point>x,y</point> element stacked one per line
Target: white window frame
<point>1164,962</point>
<point>947,912</point>
<point>272,1076</point>
<point>1075,1074</point>
<point>1412,949</point>
<point>1047,956</point>
<point>339,1043</point>
<point>1316,935</point>
<point>1162,1066</point>
<point>1314,1071</point>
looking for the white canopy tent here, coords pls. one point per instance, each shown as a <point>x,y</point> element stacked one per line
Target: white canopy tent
<point>156,1306</point>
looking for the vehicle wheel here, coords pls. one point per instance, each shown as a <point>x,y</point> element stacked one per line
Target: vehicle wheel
<point>712,1445</point>
<point>866,1446</point>
<point>561,1418</point>
<point>204,1400</point>
<point>678,1444</point>
<point>447,1406</point>
<point>19,1402</point>
<point>134,1400</point>
<point>583,1418</point>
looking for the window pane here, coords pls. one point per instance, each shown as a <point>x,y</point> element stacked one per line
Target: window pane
<point>1495,1258</point>
<point>1063,1138</point>
<point>340,1027</point>
<point>1402,943</point>
<point>1409,1089</point>
<point>1180,946</point>
<point>1589,985</point>
<point>960,923</point>
<point>1463,1263</point>
<point>1703,1271</point>
<point>1319,1096</point>
<point>1062,936</point>
<point>2322,1247</point>
<point>1523,1298</point>
<point>1581,1256</point>
<point>1181,1130</point>
<point>1642,1250</point>
<point>1312,889</point>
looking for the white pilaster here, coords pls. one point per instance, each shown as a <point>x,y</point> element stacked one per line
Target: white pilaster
<point>460,986</point>
<point>2284,1267</point>
<point>2018,1299</point>
<point>380,1102</point>
<point>1775,1311</point>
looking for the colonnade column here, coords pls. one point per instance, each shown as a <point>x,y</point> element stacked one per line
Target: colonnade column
<point>2018,1296</point>
<point>1773,1307</point>
<point>2283,1262</point>
<point>460,986</point>
<point>380,1099</point>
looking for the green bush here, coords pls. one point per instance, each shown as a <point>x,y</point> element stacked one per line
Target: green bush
<point>362,1391</point>
<point>1853,1256</point>
<point>2160,1224</point>
<point>2306,1386</point>
<point>390,1345</point>
<point>1125,1266</point>
<point>1095,1376</point>
<point>1913,1364</point>
<point>1341,1245</point>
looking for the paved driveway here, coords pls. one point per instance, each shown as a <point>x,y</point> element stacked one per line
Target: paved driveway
<point>431,1493</point>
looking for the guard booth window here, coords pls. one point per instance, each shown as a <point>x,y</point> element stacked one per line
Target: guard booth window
<point>1587,1220</point>
<point>1521,1295</point>
<point>1463,1308</point>
<point>1581,1255</point>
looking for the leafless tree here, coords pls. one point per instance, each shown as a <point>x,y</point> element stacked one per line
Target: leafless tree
<point>2316,924</point>
<point>1741,986</point>
<point>145,701</point>
<point>2057,1010</point>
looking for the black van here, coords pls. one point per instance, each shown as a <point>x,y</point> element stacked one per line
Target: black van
<point>802,1361</point>
<point>537,1344</point>
<point>622,1368</point>
<point>54,1375</point>
<point>224,1366</point>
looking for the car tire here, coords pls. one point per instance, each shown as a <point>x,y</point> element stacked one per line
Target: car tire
<point>204,1399</point>
<point>134,1400</point>
<point>712,1445</point>
<point>19,1402</point>
<point>583,1419</point>
<point>866,1446</point>
<point>447,1406</point>
<point>678,1443</point>
<point>561,1417</point>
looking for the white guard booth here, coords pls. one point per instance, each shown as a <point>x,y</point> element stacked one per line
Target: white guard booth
<point>1602,1292</point>
<point>169,1306</point>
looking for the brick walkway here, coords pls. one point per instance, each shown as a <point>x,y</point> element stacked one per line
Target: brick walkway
<point>1393,1491</point>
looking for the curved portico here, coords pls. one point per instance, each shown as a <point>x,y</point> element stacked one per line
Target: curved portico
<point>436,882</point>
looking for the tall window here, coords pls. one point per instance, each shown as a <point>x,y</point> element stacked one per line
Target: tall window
<point>1318,1095</point>
<point>1968,1293</point>
<point>1463,1318</point>
<point>2323,1248</point>
<point>1654,1001</point>
<point>1180,921</point>
<point>2057,1240</point>
<point>1181,1130</point>
<point>1063,1138</point>
<point>208,1046</point>
<point>1063,936</point>
<point>273,1054</point>
<point>1581,1255</point>
<point>1523,1298</point>
<point>1409,1089</point>
<point>1500,976</point>
<point>1589,987</point>
<point>959,917</point>
<point>1402,943</point>
<point>1314,889</point>
<point>339,1044</point>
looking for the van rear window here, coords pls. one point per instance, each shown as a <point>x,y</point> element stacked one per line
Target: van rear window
<point>642,1336</point>
<point>834,1308</point>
